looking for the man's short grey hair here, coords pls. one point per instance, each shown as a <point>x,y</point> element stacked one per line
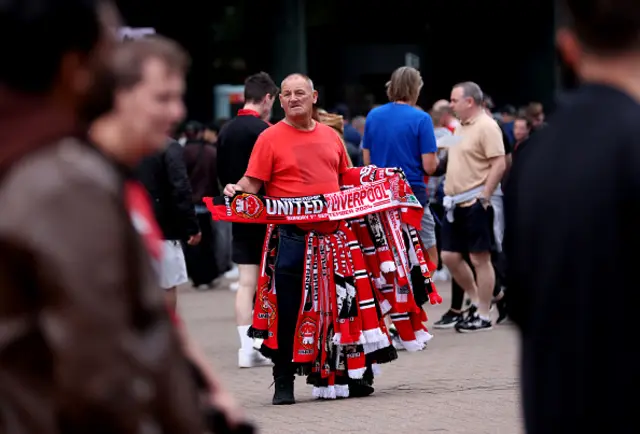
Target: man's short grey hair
<point>298,74</point>
<point>471,90</point>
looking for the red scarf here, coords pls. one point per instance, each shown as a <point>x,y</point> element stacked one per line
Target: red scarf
<point>352,277</point>
<point>392,192</point>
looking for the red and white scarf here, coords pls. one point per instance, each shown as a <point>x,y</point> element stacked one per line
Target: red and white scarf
<point>353,277</point>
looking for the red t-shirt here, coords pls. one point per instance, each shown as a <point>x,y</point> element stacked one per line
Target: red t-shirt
<point>294,163</point>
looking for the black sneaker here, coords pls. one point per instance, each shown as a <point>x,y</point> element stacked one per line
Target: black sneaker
<point>473,324</point>
<point>471,312</point>
<point>360,390</point>
<point>448,320</point>
<point>283,394</point>
<point>502,311</point>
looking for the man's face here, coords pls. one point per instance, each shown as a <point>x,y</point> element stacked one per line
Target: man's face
<point>459,104</point>
<point>520,129</point>
<point>297,97</point>
<point>152,108</point>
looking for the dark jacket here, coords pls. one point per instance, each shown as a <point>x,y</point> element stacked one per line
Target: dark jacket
<point>201,159</point>
<point>164,175</point>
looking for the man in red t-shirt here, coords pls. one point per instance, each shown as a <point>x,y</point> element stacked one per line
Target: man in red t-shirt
<point>296,157</point>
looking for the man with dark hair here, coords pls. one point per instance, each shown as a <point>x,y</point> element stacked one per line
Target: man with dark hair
<point>567,226</point>
<point>508,114</point>
<point>201,161</point>
<point>87,343</point>
<point>235,144</point>
<point>211,131</point>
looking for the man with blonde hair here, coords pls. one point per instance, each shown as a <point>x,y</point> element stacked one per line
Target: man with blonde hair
<point>398,134</point>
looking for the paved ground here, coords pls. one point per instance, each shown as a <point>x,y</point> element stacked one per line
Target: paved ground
<point>460,384</point>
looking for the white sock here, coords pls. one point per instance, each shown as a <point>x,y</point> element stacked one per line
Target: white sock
<point>246,343</point>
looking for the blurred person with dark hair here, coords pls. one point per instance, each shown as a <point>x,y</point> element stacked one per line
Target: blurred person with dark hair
<point>568,227</point>
<point>194,130</point>
<point>350,133</point>
<point>235,144</point>
<point>358,123</point>
<point>535,113</point>
<point>80,304</point>
<point>507,117</point>
<point>212,129</point>
<point>336,122</point>
<point>201,161</point>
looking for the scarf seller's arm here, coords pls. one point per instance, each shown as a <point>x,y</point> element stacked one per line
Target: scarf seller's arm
<point>249,184</point>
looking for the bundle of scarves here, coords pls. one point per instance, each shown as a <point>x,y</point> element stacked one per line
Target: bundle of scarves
<point>371,266</point>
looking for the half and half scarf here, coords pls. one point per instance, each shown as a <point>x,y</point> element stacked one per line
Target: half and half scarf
<point>373,265</point>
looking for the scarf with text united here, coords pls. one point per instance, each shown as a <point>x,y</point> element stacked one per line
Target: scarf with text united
<point>373,265</point>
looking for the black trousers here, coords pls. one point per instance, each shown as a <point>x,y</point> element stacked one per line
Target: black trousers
<point>289,270</point>
<point>201,261</point>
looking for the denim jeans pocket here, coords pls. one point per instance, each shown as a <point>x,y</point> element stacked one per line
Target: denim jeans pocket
<point>291,250</point>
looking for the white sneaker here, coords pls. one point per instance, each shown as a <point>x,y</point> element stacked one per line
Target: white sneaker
<point>233,286</point>
<point>252,359</point>
<point>232,274</point>
<point>397,343</point>
<point>441,275</point>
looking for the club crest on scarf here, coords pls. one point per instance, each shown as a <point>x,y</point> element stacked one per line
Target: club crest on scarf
<point>247,205</point>
<point>307,335</point>
<point>267,308</point>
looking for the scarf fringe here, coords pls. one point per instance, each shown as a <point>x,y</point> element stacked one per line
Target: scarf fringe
<point>371,267</point>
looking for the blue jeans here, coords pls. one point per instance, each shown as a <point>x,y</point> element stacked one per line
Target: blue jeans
<point>289,270</point>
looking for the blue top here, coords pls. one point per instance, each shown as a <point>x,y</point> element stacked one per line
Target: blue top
<point>397,135</point>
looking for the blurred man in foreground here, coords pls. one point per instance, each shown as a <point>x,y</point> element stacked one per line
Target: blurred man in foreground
<point>87,343</point>
<point>567,227</point>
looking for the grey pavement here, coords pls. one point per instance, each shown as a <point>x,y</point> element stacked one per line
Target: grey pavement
<point>460,384</point>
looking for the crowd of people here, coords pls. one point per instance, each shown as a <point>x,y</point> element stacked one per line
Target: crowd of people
<point>227,145</point>
<point>105,216</point>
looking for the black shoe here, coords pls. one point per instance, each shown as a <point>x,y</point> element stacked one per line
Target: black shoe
<point>448,320</point>
<point>502,311</point>
<point>473,324</point>
<point>471,312</point>
<point>283,394</point>
<point>357,390</point>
